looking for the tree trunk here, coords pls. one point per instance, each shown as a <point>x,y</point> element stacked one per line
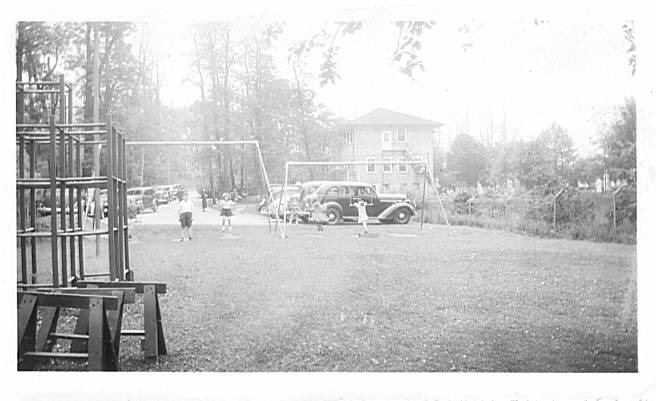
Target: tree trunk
<point>226,108</point>
<point>88,77</point>
<point>306,139</point>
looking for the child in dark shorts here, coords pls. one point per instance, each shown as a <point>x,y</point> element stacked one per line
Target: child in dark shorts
<point>185,211</point>
<point>227,204</point>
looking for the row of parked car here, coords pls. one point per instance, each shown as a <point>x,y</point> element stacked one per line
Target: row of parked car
<point>337,197</point>
<point>139,199</point>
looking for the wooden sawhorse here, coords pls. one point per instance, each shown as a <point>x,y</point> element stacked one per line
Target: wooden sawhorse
<point>154,343</point>
<point>101,352</point>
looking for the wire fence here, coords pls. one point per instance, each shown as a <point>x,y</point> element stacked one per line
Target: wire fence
<point>567,213</point>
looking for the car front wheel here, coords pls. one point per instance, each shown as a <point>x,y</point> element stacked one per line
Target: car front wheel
<point>334,215</point>
<point>402,216</point>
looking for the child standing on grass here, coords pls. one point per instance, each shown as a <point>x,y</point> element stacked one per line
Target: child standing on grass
<point>319,215</point>
<point>295,209</point>
<point>226,204</point>
<point>362,216</point>
<point>185,211</point>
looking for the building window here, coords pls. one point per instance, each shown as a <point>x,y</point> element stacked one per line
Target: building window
<point>371,168</point>
<point>403,168</point>
<point>387,136</point>
<point>348,137</point>
<point>386,187</point>
<point>387,168</point>
<point>402,135</point>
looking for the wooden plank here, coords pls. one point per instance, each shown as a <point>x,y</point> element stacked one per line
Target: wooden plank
<point>81,328</point>
<point>27,314</point>
<point>114,321</point>
<point>96,331</point>
<point>33,286</point>
<point>129,293</point>
<point>133,333</point>
<point>161,342</point>
<point>48,326</point>
<point>150,322</point>
<point>70,336</point>
<point>43,234</point>
<point>70,300</point>
<point>26,323</point>
<point>62,355</point>
<point>139,286</point>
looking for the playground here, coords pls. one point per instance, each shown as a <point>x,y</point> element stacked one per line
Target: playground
<point>107,173</point>
<point>442,299</point>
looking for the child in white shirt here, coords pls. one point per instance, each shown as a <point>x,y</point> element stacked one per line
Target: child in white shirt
<point>362,216</point>
<point>226,204</point>
<point>185,211</point>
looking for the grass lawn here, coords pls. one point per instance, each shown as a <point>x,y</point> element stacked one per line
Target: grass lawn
<point>447,299</point>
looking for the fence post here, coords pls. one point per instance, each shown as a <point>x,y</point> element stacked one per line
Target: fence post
<point>554,207</point>
<point>554,214</point>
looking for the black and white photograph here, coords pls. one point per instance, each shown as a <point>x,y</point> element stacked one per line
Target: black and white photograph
<point>282,193</point>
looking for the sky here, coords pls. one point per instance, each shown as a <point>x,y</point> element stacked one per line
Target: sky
<point>566,70</point>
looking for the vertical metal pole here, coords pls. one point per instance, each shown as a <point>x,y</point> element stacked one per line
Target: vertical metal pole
<point>80,211</point>
<point>266,177</point>
<point>33,210</point>
<point>111,207</point>
<point>126,234</point>
<point>423,202</point>
<point>283,195</point>
<point>121,207</point>
<point>63,172</point>
<point>96,119</point>
<point>70,104</point>
<point>143,157</point>
<point>437,193</point>
<point>22,209</point>
<point>52,162</point>
<point>62,207</point>
<point>71,206</point>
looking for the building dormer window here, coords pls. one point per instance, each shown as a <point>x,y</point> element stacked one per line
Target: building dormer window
<point>402,135</point>
<point>387,137</point>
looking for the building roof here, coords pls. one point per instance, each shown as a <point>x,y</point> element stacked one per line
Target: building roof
<point>382,116</point>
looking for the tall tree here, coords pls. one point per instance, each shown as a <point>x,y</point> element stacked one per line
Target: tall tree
<point>467,160</point>
<point>618,143</point>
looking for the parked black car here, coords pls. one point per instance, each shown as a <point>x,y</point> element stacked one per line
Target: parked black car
<point>162,194</point>
<point>338,196</point>
<point>144,198</point>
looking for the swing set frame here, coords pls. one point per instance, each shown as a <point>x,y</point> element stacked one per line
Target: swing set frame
<point>427,177</point>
